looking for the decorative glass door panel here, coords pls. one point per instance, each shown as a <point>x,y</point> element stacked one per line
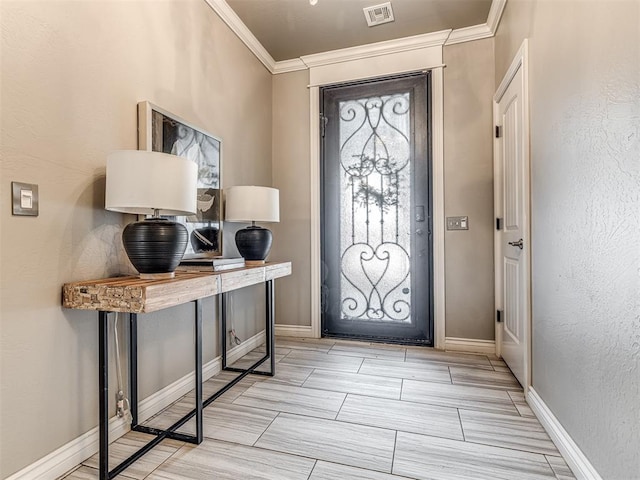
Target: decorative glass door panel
<point>376,211</point>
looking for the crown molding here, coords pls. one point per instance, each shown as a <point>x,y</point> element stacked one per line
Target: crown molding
<point>444,37</point>
<point>467,34</point>
<point>238,27</point>
<point>495,14</point>
<point>478,32</point>
<point>375,49</point>
<point>285,66</point>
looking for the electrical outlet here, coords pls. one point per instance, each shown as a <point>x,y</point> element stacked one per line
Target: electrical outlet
<point>120,404</point>
<point>458,223</point>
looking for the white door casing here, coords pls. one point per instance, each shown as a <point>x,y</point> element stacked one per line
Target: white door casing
<point>512,207</point>
<point>366,66</point>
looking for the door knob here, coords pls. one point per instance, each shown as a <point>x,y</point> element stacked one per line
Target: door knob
<point>518,244</point>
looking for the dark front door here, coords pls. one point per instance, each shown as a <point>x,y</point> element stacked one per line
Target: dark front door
<point>376,210</point>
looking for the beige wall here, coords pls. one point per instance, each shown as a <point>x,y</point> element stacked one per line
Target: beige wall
<point>72,73</point>
<point>585,187</point>
<point>291,171</point>
<point>468,180</point>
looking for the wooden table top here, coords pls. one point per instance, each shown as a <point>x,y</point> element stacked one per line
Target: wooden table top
<point>134,295</point>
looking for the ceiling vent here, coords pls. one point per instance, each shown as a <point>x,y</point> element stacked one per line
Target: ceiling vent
<point>378,14</point>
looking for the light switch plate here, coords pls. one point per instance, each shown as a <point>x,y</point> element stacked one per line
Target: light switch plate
<point>25,199</point>
<point>458,223</point>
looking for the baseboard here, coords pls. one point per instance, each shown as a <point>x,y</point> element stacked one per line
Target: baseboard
<point>469,345</point>
<point>577,461</point>
<point>303,331</point>
<point>78,450</point>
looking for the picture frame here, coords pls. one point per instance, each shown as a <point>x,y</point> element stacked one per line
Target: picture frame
<point>162,131</point>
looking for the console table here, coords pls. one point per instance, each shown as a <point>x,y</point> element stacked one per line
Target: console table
<point>133,296</point>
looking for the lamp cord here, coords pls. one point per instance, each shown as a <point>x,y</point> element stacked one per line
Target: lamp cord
<point>122,402</point>
<point>234,338</point>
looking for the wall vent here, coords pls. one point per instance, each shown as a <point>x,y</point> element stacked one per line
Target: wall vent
<point>378,14</point>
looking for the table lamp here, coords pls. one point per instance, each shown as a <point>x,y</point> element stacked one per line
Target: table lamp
<point>152,183</point>
<point>253,204</point>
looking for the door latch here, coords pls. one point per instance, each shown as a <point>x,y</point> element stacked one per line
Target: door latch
<point>518,244</point>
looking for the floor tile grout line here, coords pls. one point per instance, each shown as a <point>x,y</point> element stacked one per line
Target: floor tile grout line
<point>341,405</point>
<point>312,468</point>
<point>549,463</point>
<point>167,459</point>
<point>393,456</point>
<point>313,370</point>
<point>360,367</point>
<point>265,431</point>
<point>515,406</point>
<point>374,375</point>
<point>553,470</point>
<point>353,393</point>
<point>464,437</point>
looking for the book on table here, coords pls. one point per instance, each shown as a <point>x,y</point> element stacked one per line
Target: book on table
<point>209,264</point>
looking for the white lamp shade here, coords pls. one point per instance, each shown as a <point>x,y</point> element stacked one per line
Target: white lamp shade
<point>140,182</point>
<point>252,204</point>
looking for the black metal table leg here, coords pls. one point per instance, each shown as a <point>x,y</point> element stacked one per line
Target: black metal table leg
<point>198,373</point>
<point>223,329</point>
<point>133,368</point>
<point>103,386</point>
<point>270,327</point>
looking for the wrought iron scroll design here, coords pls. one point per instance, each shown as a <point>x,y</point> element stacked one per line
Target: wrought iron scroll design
<point>375,154</point>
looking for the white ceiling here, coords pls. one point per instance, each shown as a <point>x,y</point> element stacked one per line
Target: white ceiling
<point>289,29</point>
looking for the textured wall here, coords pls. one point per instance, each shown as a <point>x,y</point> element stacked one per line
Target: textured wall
<point>468,180</point>
<point>291,171</point>
<point>72,73</point>
<point>585,160</point>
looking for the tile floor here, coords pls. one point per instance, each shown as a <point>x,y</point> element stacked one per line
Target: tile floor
<point>339,410</point>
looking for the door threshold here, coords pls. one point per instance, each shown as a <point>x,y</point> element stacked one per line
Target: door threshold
<point>375,339</point>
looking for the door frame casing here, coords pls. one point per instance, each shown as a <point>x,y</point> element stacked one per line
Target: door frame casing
<point>429,58</point>
<point>520,61</point>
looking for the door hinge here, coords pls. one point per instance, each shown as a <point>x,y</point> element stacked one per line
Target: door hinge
<point>498,131</point>
<point>323,125</point>
<point>499,316</point>
<point>498,224</point>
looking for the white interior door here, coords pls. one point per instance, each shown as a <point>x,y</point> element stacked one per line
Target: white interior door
<point>513,299</point>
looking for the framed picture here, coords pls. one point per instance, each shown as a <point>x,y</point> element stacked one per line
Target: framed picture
<point>162,131</point>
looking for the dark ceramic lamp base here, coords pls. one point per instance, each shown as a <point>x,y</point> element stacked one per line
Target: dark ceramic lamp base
<point>254,244</point>
<point>155,246</point>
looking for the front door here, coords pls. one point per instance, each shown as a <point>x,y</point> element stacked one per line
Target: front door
<point>512,210</point>
<point>376,211</point>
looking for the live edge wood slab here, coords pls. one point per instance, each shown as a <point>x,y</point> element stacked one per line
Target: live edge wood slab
<point>134,295</point>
